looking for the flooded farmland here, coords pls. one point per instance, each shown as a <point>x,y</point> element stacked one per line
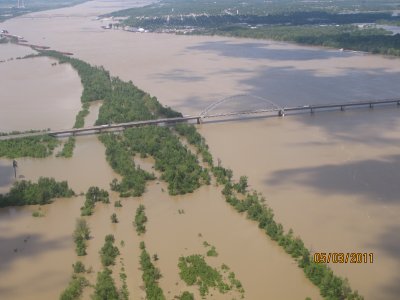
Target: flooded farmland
<point>332,177</point>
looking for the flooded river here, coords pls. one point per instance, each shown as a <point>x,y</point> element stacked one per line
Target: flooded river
<point>37,93</point>
<point>332,177</point>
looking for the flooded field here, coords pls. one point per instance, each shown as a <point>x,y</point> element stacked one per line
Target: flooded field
<point>332,177</point>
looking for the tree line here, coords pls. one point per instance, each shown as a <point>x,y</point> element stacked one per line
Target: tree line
<point>373,40</point>
<point>35,146</point>
<point>286,18</point>
<point>150,276</point>
<point>330,285</point>
<point>25,192</point>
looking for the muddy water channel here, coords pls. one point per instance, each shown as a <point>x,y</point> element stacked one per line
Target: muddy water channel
<point>332,177</point>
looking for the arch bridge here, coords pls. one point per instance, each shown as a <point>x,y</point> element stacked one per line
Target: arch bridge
<point>270,108</point>
<point>267,106</point>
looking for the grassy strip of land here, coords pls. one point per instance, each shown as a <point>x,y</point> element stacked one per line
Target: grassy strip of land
<point>81,235</point>
<point>93,195</point>
<point>27,193</point>
<point>140,220</point>
<point>150,276</point>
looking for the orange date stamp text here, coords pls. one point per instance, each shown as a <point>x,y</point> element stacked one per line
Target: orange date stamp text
<point>343,257</point>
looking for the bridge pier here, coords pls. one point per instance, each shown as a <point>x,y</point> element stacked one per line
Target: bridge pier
<point>342,108</point>
<point>199,120</point>
<point>281,113</point>
<point>312,110</point>
<point>371,106</point>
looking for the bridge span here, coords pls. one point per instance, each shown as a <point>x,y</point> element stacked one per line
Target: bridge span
<point>201,118</point>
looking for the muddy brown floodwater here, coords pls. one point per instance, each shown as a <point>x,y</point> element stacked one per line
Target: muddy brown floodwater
<point>332,177</point>
<point>37,93</point>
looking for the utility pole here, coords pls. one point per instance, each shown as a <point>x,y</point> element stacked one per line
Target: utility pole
<point>15,166</point>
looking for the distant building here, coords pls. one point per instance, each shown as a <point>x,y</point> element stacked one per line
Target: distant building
<point>134,29</point>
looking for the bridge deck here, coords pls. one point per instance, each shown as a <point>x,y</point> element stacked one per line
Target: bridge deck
<point>274,111</point>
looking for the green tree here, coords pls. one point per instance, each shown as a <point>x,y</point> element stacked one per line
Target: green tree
<point>105,286</point>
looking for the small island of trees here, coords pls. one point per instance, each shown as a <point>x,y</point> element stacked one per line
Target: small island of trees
<point>25,192</point>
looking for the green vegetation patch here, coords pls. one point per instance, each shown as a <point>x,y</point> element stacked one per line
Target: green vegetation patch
<point>140,220</point>
<point>80,117</point>
<point>178,165</point>
<point>93,195</point>
<point>75,288</point>
<point>81,235</point>
<point>27,193</point>
<point>194,138</point>
<point>128,103</point>
<point>68,148</point>
<point>150,276</point>
<point>105,286</point>
<point>114,218</point>
<point>195,271</point>
<point>79,267</point>
<point>109,252</point>
<point>35,146</point>
<point>119,156</point>
<point>186,296</point>
<point>38,214</point>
